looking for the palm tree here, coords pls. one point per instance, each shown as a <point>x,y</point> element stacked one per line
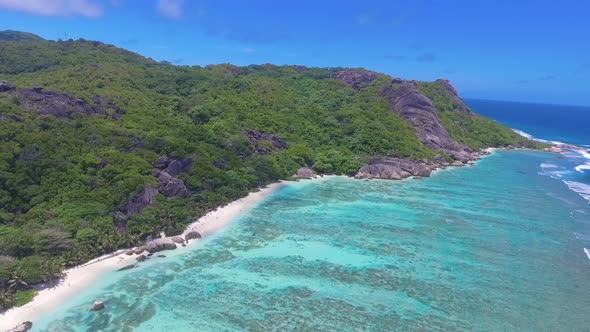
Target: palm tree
<point>16,282</point>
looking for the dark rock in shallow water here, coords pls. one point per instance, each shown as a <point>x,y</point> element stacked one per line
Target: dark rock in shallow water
<point>128,267</point>
<point>97,305</point>
<point>141,258</point>
<point>22,327</point>
<point>191,235</point>
<point>161,256</point>
<point>160,244</point>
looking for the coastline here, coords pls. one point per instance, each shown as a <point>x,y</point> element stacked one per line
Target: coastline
<point>79,277</point>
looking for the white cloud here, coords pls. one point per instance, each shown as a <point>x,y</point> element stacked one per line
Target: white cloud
<point>170,8</point>
<point>86,8</point>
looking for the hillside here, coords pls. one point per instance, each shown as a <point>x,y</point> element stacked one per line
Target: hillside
<point>101,148</point>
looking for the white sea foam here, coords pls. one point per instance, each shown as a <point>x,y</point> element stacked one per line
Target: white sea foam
<point>582,168</point>
<point>581,188</point>
<point>529,136</point>
<point>548,165</point>
<point>584,154</point>
<point>587,251</point>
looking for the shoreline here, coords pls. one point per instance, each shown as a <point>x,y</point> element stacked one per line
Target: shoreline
<point>79,277</point>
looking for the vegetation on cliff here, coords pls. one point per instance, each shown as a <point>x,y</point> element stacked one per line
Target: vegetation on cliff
<point>90,136</point>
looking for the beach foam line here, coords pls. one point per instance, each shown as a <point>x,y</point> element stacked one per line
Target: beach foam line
<point>531,137</point>
<point>582,168</point>
<point>581,188</point>
<point>80,277</point>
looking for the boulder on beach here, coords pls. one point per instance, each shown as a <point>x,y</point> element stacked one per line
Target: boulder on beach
<point>178,239</point>
<point>160,244</point>
<point>97,305</point>
<point>139,250</point>
<point>141,258</point>
<point>129,252</point>
<point>303,173</point>
<point>191,235</point>
<point>22,327</point>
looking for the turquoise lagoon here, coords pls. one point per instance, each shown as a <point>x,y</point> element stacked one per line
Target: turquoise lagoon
<point>498,246</point>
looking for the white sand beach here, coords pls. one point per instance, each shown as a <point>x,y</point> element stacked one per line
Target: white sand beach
<point>80,277</point>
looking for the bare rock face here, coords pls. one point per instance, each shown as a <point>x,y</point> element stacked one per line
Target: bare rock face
<point>417,110</point>
<point>59,104</point>
<point>394,168</point>
<point>304,173</point>
<point>458,103</point>
<point>264,144</point>
<point>22,327</point>
<point>143,199</point>
<point>160,244</point>
<point>5,86</point>
<point>166,170</point>
<point>355,78</point>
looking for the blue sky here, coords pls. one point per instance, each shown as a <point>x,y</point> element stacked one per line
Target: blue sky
<point>520,50</point>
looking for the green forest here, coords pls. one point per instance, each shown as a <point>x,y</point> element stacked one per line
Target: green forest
<point>65,180</point>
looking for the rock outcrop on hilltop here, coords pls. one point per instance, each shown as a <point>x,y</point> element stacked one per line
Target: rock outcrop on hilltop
<point>458,103</point>
<point>60,105</point>
<point>355,78</point>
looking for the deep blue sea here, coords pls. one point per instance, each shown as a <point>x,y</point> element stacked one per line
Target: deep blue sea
<point>494,247</point>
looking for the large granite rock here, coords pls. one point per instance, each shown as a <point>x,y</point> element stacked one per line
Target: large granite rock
<point>458,103</point>
<point>143,199</point>
<point>417,110</point>
<point>304,173</point>
<point>166,170</point>
<point>191,235</point>
<point>394,168</point>
<point>5,86</point>
<point>171,187</point>
<point>355,78</point>
<point>264,144</point>
<point>59,104</point>
<point>160,244</point>
<point>22,327</point>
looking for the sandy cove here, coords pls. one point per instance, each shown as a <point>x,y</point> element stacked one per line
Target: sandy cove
<point>79,277</point>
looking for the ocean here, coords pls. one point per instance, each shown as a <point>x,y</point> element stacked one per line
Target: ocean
<point>499,246</point>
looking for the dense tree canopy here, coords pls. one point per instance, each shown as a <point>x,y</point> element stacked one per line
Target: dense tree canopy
<point>64,180</point>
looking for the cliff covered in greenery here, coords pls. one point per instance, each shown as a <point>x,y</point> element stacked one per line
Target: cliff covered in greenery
<point>101,148</point>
